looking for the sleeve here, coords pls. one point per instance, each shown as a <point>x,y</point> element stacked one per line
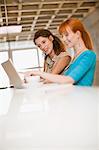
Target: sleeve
<point>60,56</point>
<point>63,54</point>
<point>82,66</point>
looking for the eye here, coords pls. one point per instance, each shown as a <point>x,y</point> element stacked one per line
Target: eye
<point>38,46</point>
<point>66,34</point>
<point>44,42</point>
<point>61,35</point>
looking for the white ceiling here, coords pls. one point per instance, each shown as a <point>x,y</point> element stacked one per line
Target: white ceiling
<point>36,14</point>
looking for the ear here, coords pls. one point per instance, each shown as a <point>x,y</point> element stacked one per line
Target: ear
<point>51,38</point>
<point>78,34</point>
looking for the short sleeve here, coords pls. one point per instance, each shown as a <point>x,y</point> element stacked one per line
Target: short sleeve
<point>63,54</point>
<point>82,66</point>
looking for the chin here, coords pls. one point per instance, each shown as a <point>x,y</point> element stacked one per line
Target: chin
<point>47,53</point>
<point>69,46</point>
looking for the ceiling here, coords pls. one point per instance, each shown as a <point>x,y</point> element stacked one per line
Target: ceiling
<point>36,14</point>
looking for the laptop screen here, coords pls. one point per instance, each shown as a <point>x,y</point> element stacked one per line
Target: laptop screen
<point>12,74</point>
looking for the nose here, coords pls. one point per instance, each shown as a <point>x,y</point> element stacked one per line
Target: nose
<point>42,47</point>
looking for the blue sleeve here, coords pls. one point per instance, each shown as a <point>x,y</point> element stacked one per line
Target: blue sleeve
<point>82,66</point>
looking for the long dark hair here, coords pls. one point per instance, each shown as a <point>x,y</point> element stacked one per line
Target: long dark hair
<point>58,46</point>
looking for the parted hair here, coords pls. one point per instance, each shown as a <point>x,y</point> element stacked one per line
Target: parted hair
<point>58,46</point>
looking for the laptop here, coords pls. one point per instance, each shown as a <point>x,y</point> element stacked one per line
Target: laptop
<point>13,75</point>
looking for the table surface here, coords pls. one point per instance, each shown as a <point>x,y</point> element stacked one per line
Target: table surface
<point>49,117</point>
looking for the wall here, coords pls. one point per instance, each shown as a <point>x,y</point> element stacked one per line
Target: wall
<point>92,24</point>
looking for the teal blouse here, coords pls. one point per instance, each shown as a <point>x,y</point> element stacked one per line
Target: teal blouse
<point>82,68</point>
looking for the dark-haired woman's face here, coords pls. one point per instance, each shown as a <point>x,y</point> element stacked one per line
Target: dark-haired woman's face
<point>45,44</point>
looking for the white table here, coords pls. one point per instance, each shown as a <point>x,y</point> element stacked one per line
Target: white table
<point>49,117</point>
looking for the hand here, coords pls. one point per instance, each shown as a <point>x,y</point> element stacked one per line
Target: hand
<point>31,73</point>
<point>41,79</point>
<point>46,81</point>
<point>28,73</point>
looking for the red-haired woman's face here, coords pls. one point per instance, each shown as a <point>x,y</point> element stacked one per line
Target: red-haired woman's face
<point>70,38</point>
<point>45,44</point>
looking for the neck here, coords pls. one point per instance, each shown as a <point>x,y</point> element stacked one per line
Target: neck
<point>52,54</point>
<point>79,47</point>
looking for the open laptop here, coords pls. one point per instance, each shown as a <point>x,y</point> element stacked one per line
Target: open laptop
<point>13,75</point>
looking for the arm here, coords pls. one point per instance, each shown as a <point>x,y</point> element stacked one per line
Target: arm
<point>76,73</point>
<point>53,77</point>
<point>45,67</point>
<point>82,66</point>
<point>61,64</point>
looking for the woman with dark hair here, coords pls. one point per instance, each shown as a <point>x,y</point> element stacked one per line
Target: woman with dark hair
<point>56,57</point>
<point>81,71</point>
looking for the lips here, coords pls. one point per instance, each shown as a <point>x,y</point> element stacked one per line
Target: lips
<point>45,49</point>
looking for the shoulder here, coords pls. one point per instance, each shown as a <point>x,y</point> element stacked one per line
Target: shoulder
<point>87,58</point>
<point>62,54</point>
<point>89,53</point>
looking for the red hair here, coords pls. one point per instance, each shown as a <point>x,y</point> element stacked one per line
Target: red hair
<point>76,25</point>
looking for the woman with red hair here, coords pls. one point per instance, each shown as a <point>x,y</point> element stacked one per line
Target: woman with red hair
<point>81,71</point>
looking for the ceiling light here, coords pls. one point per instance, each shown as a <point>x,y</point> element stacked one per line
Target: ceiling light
<point>10,29</point>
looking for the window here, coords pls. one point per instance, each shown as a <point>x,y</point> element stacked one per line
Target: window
<point>41,58</point>
<point>24,54</point>
<point>26,59</point>
<point>3,56</point>
<point>4,81</point>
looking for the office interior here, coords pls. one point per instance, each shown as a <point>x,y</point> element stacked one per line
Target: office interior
<point>44,120</point>
<point>36,14</point>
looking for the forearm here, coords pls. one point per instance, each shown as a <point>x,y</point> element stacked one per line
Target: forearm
<point>52,77</point>
<point>56,78</point>
<point>61,65</point>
